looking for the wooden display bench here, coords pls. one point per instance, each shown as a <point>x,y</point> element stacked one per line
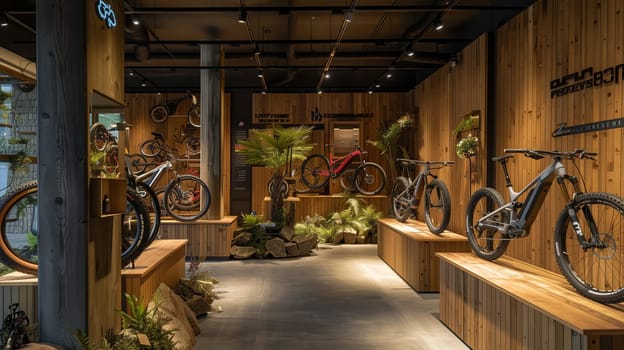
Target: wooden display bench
<point>509,304</point>
<point>409,249</point>
<point>162,261</point>
<point>206,238</point>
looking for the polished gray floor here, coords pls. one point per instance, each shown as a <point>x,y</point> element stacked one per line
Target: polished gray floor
<point>341,297</point>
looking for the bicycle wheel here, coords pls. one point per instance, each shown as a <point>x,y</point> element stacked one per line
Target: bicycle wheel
<point>281,188</point>
<point>194,116</point>
<point>159,113</point>
<point>150,148</point>
<point>347,181</point>
<point>134,229</point>
<point>594,270</point>
<point>187,198</point>
<point>315,171</point>
<point>136,163</point>
<point>99,137</point>
<point>150,201</point>
<point>370,179</point>
<point>487,243</point>
<point>401,199</point>
<point>19,244</point>
<point>192,145</point>
<point>437,206</point>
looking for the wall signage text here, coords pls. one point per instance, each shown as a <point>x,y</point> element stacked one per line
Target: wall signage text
<point>564,130</point>
<point>585,79</point>
<point>106,13</point>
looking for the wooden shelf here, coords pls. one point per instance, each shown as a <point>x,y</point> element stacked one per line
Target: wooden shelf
<point>115,189</point>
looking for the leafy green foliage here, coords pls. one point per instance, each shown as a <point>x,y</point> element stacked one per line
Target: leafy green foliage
<point>387,141</point>
<point>355,217</point>
<point>139,320</point>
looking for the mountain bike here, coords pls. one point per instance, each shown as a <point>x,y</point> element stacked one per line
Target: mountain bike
<point>587,233</point>
<point>160,112</point>
<point>157,148</point>
<point>19,234</point>
<point>407,192</point>
<point>186,197</point>
<point>368,178</point>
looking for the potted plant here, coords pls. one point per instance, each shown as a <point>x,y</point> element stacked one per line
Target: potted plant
<point>269,148</point>
<point>387,142</point>
<point>467,146</point>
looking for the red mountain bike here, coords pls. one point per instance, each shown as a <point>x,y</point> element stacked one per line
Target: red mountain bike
<point>368,178</point>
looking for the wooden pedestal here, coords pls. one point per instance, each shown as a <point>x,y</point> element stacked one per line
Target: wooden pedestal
<point>162,261</point>
<point>206,238</point>
<point>509,304</point>
<point>409,249</point>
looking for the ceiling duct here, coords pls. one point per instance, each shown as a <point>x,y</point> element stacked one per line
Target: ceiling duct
<point>140,36</point>
<point>290,52</point>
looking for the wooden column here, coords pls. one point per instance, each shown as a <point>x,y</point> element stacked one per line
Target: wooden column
<point>211,126</point>
<point>79,264</point>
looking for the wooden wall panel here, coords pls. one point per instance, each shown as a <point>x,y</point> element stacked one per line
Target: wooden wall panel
<point>441,100</point>
<point>548,41</point>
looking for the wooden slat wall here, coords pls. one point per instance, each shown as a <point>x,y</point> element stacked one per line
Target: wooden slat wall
<point>549,40</point>
<point>441,100</point>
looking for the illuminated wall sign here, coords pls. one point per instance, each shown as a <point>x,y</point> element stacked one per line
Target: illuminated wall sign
<point>585,79</point>
<point>106,13</point>
<point>564,130</point>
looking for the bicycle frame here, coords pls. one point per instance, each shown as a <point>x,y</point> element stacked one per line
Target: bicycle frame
<point>153,175</point>
<point>418,184</point>
<point>344,162</point>
<point>536,190</point>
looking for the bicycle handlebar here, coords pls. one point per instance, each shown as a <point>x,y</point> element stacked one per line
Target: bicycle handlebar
<point>539,154</point>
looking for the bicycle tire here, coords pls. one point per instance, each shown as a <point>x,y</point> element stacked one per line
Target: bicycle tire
<point>283,189</point>
<point>437,196</point>
<point>347,181</point>
<point>151,203</point>
<point>134,229</point>
<point>482,202</point>
<point>401,199</point>
<point>311,168</point>
<point>137,163</point>
<point>192,145</point>
<point>150,148</point>
<point>194,118</point>
<point>10,255</point>
<point>178,194</point>
<point>594,272</point>
<point>98,137</point>
<point>159,113</point>
<point>370,178</point>
<point>301,187</point>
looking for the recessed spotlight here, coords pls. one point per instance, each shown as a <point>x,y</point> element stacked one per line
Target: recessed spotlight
<point>135,20</point>
<point>378,85</point>
<point>389,75</point>
<point>143,84</point>
<point>370,92</point>
<point>319,92</point>
<point>327,75</point>
<point>410,54</point>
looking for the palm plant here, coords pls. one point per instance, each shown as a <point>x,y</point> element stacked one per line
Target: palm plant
<point>387,142</point>
<point>271,149</point>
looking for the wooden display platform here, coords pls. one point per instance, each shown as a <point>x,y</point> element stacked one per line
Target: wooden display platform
<point>310,204</point>
<point>206,238</point>
<point>509,304</point>
<point>409,249</point>
<point>162,261</point>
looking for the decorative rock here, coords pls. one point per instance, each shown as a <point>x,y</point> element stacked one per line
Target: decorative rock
<point>305,243</point>
<point>287,233</point>
<point>291,249</point>
<point>276,247</point>
<point>242,239</point>
<point>350,235</point>
<point>338,237</point>
<point>237,252</point>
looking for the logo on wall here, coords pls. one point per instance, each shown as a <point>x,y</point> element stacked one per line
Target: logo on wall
<point>106,13</point>
<point>585,79</point>
<point>564,130</point>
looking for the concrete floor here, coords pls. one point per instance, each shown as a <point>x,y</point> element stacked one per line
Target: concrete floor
<point>341,297</point>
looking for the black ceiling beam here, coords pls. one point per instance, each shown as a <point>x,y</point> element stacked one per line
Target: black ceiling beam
<point>335,9</point>
<point>418,66</point>
<point>297,41</point>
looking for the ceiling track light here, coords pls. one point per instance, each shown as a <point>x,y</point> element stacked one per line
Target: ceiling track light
<point>348,16</point>
<point>410,53</point>
<point>242,16</point>
<point>4,20</point>
<point>327,75</point>
<point>135,20</point>
<point>437,24</point>
<point>260,74</point>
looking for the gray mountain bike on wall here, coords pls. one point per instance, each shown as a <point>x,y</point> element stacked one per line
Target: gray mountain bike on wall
<point>588,232</point>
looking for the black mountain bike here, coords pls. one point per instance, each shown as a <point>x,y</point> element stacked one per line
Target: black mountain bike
<point>407,191</point>
<point>587,234</point>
